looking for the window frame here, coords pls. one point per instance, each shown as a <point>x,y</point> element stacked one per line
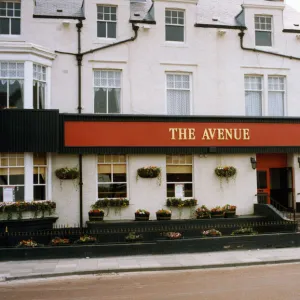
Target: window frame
<point>190,90</point>
<point>40,83</point>
<point>283,91</point>
<point>46,177</point>
<point>112,182</point>
<point>181,182</point>
<point>255,90</point>
<point>264,30</point>
<point>7,155</point>
<point>107,21</point>
<point>9,78</point>
<point>177,24</point>
<point>12,17</point>
<point>98,87</point>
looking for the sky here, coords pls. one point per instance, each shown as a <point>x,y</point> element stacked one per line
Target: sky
<point>294,3</point>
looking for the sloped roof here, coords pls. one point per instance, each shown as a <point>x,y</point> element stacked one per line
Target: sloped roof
<point>59,9</point>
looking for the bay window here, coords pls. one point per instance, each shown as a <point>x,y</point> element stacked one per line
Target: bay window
<point>39,86</point>
<point>39,176</point>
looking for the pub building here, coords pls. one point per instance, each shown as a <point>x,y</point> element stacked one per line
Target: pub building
<point>98,101</point>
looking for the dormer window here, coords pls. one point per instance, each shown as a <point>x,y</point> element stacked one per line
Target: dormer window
<point>10,18</point>
<point>263,31</point>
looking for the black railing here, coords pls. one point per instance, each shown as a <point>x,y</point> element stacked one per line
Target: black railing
<point>289,213</point>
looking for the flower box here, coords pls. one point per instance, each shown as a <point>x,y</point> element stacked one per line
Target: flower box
<point>217,212</point>
<point>139,217</point>
<point>163,214</point>
<point>96,215</point>
<point>230,214</point>
<point>229,211</point>
<point>163,217</point>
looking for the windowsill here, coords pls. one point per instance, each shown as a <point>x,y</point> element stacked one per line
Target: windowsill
<point>105,41</point>
<point>10,37</point>
<point>175,44</point>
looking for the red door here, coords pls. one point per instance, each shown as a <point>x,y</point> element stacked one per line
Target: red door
<point>263,185</point>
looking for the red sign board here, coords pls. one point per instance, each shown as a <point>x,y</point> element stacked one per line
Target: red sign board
<point>179,134</point>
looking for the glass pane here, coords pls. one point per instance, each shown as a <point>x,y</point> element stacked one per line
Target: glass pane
<point>39,192</point>
<point>119,177</point>
<point>170,190</point>
<point>263,38</point>
<point>35,176</point>
<point>100,158</point>
<point>41,96</point>
<point>3,178</point>
<point>3,93</point>
<point>4,26</point>
<point>100,105</point>
<point>114,101</point>
<point>15,94</point>
<point>111,30</point>
<point>175,33</point>
<point>104,169</point>
<point>19,193</point>
<point>39,159</point>
<point>179,177</point>
<point>17,13</point>
<point>262,179</point>
<point>35,96</point>
<point>188,190</point>
<point>112,190</point>
<point>10,5</point>
<point>3,163</point>
<point>17,5</point>
<point>10,12</point>
<point>16,179</point>
<point>101,29</point>
<point>15,26</point>
<point>119,169</point>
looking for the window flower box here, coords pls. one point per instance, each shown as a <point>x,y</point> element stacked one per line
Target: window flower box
<point>217,212</point>
<point>163,214</point>
<point>96,215</point>
<point>142,215</point>
<point>229,211</point>
<point>202,212</point>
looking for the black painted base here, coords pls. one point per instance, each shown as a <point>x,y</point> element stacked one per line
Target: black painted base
<point>161,246</point>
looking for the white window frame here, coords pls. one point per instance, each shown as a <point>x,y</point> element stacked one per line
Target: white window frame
<point>9,78</point>
<point>181,182</point>
<point>12,17</point>
<point>107,21</point>
<point>40,79</point>
<point>46,178</point>
<point>175,24</point>
<point>180,89</point>
<point>263,30</point>
<point>111,182</point>
<point>9,157</point>
<point>278,90</point>
<point>255,90</point>
<point>108,87</point>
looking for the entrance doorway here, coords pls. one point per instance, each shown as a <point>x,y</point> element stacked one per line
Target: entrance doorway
<point>274,180</point>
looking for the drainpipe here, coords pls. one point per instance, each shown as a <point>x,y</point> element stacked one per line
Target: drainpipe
<point>79,56</point>
<point>79,26</point>
<point>241,35</point>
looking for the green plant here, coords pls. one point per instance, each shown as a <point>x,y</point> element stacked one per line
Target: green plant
<point>96,212</point>
<point>149,172</point>
<point>59,241</point>
<point>67,173</point>
<point>117,204</point>
<point>178,202</point>
<point>132,236</point>
<point>28,244</point>
<point>172,235</point>
<point>202,212</point>
<point>20,207</point>
<point>86,239</point>
<point>211,233</point>
<point>244,231</point>
<point>229,207</point>
<point>225,172</point>
<point>142,212</point>
<point>163,212</point>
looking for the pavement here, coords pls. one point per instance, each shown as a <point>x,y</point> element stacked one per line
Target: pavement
<point>30,269</point>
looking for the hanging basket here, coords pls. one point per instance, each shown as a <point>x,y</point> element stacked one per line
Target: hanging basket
<point>150,172</point>
<point>226,172</point>
<point>67,173</point>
